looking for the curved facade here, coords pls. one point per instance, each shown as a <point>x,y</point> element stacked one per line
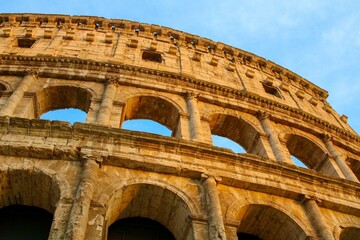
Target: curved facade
<point>89,175</point>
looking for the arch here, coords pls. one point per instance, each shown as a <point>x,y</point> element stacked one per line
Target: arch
<point>354,165</point>
<point>157,108</point>
<point>32,186</point>
<point>144,198</point>
<point>4,86</point>
<point>62,97</point>
<point>238,130</point>
<point>26,186</point>
<point>271,217</point>
<point>306,150</point>
<point>347,231</point>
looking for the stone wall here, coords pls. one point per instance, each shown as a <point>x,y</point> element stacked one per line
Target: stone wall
<point>91,174</point>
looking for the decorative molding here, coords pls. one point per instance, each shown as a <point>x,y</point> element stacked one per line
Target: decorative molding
<point>228,92</point>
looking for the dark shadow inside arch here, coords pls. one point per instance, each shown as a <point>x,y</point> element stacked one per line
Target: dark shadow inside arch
<point>153,202</point>
<point>144,125</point>
<point>354,165</point>
<point>19,222</point>
<point>263,222</point>
<point>350,233</point>
<point>227,143</point>
<point>246,236</point>
<point>306,151</point>
<point>70,115</point>
<point>136,228</point>
<point>152,108</point>
<point>2,87</point>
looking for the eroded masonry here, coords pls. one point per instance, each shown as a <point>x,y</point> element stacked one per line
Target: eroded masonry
<point>95,180</point>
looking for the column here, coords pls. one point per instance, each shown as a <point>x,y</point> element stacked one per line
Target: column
<point>316,218</point>
<point>104,114</point>
<point>17,95</point>
<point>273,139</point>
<point>79,214</point>
<point>195,123</point>
<point>60,219</point>
<point>340,160</point>
<point>216,223</point>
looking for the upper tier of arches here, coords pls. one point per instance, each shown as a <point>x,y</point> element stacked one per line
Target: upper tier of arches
<point>187,117</point>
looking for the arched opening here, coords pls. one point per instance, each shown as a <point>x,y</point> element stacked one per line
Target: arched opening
<point>151,202</point>
<point>239,131</point>
<point>350,233</point>
<point>74,101</point>
<point>24,222</point>
<point>227,143</point>
<point>135,228</point>
<point>70,115</point>
<point>354,165</point>
<point>30,191</point>
<point>2,87</point>
<point>267,223</point>
<point>149,126</point>
<point>310,154</point>
<point>152,108</point>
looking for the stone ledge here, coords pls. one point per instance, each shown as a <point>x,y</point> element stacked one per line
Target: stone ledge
<point>138,150</point>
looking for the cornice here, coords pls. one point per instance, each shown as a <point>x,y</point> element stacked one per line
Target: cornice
<point>99,71</point>
<point>161,33</point>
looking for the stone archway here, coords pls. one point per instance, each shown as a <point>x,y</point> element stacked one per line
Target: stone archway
<point>33,188</point>
<point>153,202</point>
<point>306,150</point>
<point>238,130</point>
<point>266,223</point>
<point>153,108</point>
<point>62,97</point>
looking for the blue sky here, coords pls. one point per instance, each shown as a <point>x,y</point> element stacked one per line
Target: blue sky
<point>319,40</point>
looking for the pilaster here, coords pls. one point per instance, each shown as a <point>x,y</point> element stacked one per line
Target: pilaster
<point>275,143</point>
<point>106,106</point>
<point>339,159</point>
<point>16,97</point>
<point>79,215</point>
<point>316,218</point>
<point>216,223</point>
<point>195,123</point>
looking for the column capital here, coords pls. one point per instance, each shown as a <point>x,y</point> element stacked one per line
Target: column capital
<point>88,156</point>
<point>112,79</point>
<point>32,72</point>
<point>305,198</point>
<point>205,176</point>
<point>262,115</point>
<point>191,95</point>
<point>282,138</point>
<point>326,138</point>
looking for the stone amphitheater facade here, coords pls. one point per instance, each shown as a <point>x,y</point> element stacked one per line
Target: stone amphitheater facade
<point>89,175</point>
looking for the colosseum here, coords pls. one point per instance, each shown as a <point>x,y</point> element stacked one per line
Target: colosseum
<point>95,180</point>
